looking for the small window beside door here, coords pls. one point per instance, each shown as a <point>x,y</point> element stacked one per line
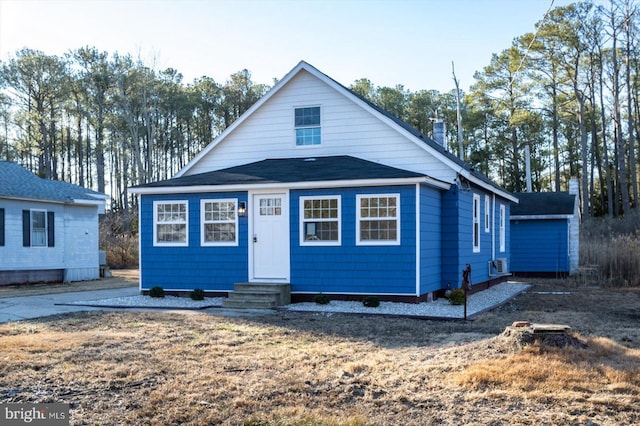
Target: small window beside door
<point>219,222</point>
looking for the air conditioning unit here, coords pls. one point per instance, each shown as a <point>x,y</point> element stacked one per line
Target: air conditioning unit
<point>501,265</point>
<point>498,267</point>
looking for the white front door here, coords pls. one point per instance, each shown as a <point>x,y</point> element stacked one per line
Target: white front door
<point>270,239</point>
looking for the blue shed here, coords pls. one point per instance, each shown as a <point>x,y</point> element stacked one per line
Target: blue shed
<point>319,190</point>
<point>545,234</point>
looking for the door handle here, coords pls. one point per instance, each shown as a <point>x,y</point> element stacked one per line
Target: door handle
<point>255,238</point>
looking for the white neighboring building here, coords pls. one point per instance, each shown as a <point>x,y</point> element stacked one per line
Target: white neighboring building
<point>48,229</point>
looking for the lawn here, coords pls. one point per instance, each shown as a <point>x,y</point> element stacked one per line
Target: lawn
<point>155,368</point>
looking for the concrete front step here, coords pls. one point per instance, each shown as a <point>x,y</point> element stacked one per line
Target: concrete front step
<point>258,296</point>
<point>248,304</point>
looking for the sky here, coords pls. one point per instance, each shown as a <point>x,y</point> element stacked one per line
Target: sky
<point>390,42</point>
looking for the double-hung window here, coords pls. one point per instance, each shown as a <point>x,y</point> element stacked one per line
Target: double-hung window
<point>320,220</point>
<point>378,221</point>
<point>476,223</point>
<point>307,125</point>
<point>38,228</point>
<point>219,222</point>
<point>170,223</point>
<point>487,213</point>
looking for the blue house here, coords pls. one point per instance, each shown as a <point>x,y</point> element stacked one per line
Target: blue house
<point>48,229</point>
<point>545,233</point>
<point>315,188</point>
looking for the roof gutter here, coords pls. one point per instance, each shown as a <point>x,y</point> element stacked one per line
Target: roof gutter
<point>502,193</point>
<point>72,202</point>
<point>291,185</point>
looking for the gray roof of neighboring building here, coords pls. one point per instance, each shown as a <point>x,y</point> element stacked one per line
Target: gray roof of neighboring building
<point>288,170</point>
<point>18,182</point>
<point>543,204</point>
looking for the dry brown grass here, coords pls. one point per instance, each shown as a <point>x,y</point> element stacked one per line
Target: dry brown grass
<point>304,369</point>
<point>611,248</point>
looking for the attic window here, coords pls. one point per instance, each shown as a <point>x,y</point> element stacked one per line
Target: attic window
<point>307,125</point>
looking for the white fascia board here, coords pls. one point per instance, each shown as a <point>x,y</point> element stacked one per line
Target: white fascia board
<point>291,185</point>
<point>100,204</point>
<point>483,184</point>
<point>417,141</point>
<point>302,65</point>
<point>541,217</point>
<point>33,200</point>
<point>40,200</point>
<point>380,116</point>
<point>99,196</point>
<point>221,137</point>
<point>84,201</point>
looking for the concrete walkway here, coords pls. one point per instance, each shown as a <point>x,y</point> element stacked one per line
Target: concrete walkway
<point>29,307</point>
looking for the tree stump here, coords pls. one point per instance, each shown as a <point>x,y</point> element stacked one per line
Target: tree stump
<point>524,333</point>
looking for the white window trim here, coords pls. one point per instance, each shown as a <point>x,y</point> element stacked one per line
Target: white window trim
<point>314,243</point>
<point>156,243</point>
<point>306,127</point>
<point>503,229</point>
<point>487,213</point>
<point>46,228</point>
<point>359,217</point>
<point>475,213</point>
<point>203,222</point>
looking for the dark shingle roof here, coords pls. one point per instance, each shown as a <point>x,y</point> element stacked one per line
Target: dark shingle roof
<point>543,203</point>
<point>18,182</point>
<point>426,139</point>
<point>291,170</point>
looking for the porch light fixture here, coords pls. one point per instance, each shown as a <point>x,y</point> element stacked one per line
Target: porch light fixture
<point>242,209</point>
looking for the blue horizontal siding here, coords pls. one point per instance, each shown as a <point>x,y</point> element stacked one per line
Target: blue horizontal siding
<point>431,240</point>
<point>450,237</point>
<point>540,246</point>
<point>350,268</point>
<point>457,234</point>
<point>187,268</point>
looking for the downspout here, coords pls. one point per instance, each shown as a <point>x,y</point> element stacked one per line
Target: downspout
<point>493,229</point>
<point>418,275</point>
<point>140,278</point>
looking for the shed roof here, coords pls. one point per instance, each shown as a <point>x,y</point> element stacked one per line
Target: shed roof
<point>289,170</point>
<point>543,204</point>
<point>18,182</point>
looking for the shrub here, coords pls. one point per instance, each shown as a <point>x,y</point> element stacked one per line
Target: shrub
<point>119,239</point>
<point>197,294</point>
<point>456,297</point>
<point>321,299</point>
<point>610,248</point>
<point>156,291</point>
<point>371,302</point>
